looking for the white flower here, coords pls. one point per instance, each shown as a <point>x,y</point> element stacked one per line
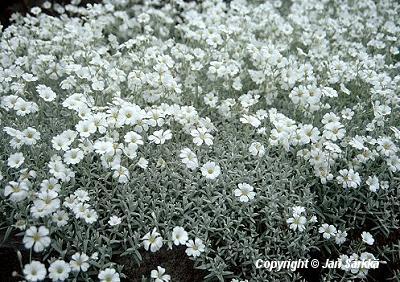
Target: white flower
<point>46,203</point>
<point>59,270</point>
<point>345,262</point>
<point>348,178</point>
<point>86,128</point>
<point>248,100</point>
<point>114,220</point>
<point>384,185</point>
<point>60,218</point>
<point>38,238</point>
<point>16,160</point>
<point>130,150</point>
<point>160,136</point>
<point>98,85</point>
<point>357,142</point>
<point>29,77</point>
<point>297,222</point>
<point>327,231</point>
<point>152,241</point>
<point>129,114</point>
<point>156,117</point>
<point>250,119</point>
<point>103,147</point>
<point>63,140</point>
<point>108,275</point>
<point>122,173</point>
<point>77,207</point>
<point>340,237</point>
<point>386,147</point>
<point>73,156</point>
<point>23,108</point>
<point>46,93</point>
<point>179,236</point>
<point>262,131</point>
<point>347,114</point>
<point>143,18</point>
<point>30,136</point>
<point>298,210</point>
<point>159,275</point>
<point>132,137</point>
<point>82,195</point>
<point>36,11</point>
<point>90,216</point>
<point>18,191</point>
<point>142,163</point>
<point>189,158</point>
<point>329,118</point>
<point>393,163</point>
<point>35,271</point>
<point>334,131</point>
<point>257,149</point>
<point>59,170</point>
<point>60,142</point>
<point>210,99</point>
<point>367,238</point>
<point>365,256</point>
<point>201,135</point>
<point>308,134</point>
<point>245,192</point>
<point>71,202</point>
<point>313,219</point>
<point>210,170</point>
<point>79,262</point>
<point>373,183</point>
<point>195,248</point>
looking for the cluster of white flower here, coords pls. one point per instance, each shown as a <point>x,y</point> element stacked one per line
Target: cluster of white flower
<point>299,220</point>
<point>329,231</point>
<point>117,110</point>
<point>60,270</point>
<point>77,203</point>
<point>153,241</point>
<point>358,265</point>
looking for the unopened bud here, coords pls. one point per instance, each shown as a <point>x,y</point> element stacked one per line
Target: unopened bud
<point>19,255</point>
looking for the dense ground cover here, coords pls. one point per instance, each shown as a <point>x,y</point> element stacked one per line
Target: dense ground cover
<point>139,135</point>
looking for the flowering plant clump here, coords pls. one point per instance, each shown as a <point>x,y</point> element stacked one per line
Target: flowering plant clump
<point>237,131</point>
